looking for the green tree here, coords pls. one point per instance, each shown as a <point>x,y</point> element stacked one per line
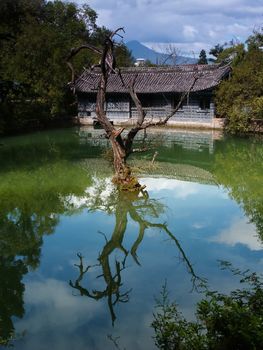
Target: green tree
<point>229,322</point>
<point>35,38</point>
<point>234,54</point>
<point>240,98</point>
<point>216,50</point>
<point>202,57</point>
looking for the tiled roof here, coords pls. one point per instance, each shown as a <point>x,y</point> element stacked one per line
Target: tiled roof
<point>156,79</point>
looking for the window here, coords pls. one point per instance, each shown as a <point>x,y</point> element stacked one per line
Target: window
<point>204,103</point>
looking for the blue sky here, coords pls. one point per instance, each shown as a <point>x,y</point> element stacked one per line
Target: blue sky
<point>190,24</point>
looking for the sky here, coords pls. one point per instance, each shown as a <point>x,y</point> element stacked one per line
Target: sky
<point>191,25</point>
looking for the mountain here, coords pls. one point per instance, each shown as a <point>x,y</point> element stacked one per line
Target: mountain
<point>138,50</point>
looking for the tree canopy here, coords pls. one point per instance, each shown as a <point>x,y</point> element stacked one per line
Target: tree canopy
<point>216,50</point>
<point>35,38</point>
<point>240,99</point>
<point>202,57</point>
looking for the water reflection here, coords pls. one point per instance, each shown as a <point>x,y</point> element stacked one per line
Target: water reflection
<point>238,167</point>
<point>11,292</point>
<point>30,206</point>
<point>142,211</point>
<point>50,208</point>
<point>21,234</point>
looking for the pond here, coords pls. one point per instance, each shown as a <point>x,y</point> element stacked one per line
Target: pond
<point>81,264</point>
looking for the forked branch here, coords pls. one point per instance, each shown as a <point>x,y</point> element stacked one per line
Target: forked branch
<point>73,52</point>
<point>141,123</point>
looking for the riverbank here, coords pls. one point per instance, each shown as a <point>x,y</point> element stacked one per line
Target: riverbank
<point>215,123</point>
<point>35,125</point>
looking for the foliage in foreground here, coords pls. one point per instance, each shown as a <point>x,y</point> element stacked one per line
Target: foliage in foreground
<point>229,322</point>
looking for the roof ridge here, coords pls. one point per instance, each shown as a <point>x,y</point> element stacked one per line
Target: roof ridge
<point>156,79</point>
<point>172,69</point>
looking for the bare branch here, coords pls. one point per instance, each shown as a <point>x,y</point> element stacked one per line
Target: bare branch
<point>116,33</point>
<point>154,156</point>
<point>137,102</point>
<point>179,247</point>
<point>140,124</point>
<point>140,150</point>
<point>74,51</point>
<point>172,113</point>
<point>141,116</point>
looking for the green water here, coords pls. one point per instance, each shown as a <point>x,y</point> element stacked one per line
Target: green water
<point>81,264</point>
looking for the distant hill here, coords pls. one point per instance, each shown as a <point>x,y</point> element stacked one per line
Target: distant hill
<point>138,50</point>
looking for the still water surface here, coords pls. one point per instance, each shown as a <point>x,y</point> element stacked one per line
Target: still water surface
<point>81,264</point>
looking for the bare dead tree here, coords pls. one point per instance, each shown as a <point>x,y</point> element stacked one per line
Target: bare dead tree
<point>169,54</point>
<point>172,54</point>
<point>122,146</point>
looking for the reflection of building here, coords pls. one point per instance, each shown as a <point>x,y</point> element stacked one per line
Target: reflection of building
<point>187,154</point>
<point>186,139</point>
<point>159,89</point>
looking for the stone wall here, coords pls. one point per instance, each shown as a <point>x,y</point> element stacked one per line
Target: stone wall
<point>197,110</point>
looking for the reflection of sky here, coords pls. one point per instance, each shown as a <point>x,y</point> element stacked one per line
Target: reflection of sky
<point>206,222</point>
<point>205,199</point>
<point>240,232</point>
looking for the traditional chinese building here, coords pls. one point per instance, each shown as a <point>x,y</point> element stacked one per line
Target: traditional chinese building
<point>159,90</point>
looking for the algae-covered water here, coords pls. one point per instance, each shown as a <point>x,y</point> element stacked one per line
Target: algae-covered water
<point>81,264</point>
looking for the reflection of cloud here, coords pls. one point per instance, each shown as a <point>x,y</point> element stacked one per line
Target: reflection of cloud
<point>240,232</point>
<point>58,320</point>
<point>180,189</point>
<point>101,190</point>
<point>56,306</point>
<point>75,202</point>
<point>223,193</point>
<point>104,186</point>
<point>151,233</point>
<point>198,225</point>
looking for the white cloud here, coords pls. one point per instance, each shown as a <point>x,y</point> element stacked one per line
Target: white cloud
<point>184,48</point>
<point>240,232</point>
<point>189,32</point>
<point>185,23</point>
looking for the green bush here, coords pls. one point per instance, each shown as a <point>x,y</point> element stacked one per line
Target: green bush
<point>223,322</point>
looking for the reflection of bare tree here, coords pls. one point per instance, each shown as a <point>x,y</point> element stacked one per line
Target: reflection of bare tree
<point>143,211</point>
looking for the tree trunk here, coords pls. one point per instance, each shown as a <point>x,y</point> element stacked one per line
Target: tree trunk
<point>121,147</point>
<point>122,177</point>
